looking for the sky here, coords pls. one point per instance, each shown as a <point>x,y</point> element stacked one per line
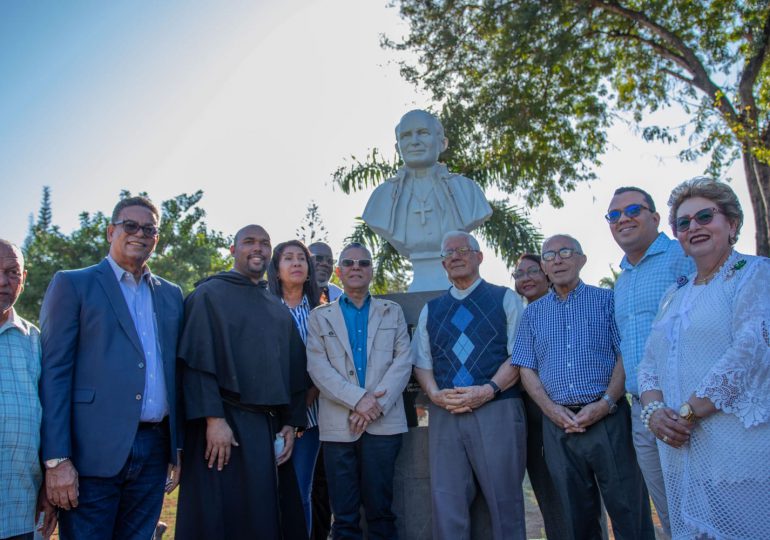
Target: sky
<point>255,103</point>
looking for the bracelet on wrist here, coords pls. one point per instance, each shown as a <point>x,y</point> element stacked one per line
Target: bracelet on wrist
<point>647,411</point>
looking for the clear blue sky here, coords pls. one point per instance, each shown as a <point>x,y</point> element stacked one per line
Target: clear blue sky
<point>256,103</point>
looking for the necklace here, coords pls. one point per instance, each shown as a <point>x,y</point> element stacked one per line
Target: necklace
<point>717,267</point>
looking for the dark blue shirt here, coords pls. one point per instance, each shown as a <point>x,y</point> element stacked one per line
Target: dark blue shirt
<point>357,323</point>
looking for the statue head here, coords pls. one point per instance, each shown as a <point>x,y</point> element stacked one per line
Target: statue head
<point>420,139</point>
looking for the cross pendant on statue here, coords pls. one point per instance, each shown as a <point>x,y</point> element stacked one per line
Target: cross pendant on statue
<point>422,210</point>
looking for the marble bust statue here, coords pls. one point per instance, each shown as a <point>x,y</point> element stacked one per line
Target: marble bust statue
<point>414,209</point>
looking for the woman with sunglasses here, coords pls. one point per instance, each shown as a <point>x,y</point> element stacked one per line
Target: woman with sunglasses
<point>705,377</point>
<point>532,284</point>
<point>291,277</point>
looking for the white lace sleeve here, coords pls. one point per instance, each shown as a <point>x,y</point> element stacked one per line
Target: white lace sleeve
<point>739,382</point>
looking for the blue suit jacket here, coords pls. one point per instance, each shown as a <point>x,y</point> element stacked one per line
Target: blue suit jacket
<point>93,368</point>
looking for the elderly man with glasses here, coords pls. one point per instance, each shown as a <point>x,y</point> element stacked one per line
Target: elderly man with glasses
<point>358,357</point>
<point>477,433</point>
<point>568,348</point>
<point>651,263</point>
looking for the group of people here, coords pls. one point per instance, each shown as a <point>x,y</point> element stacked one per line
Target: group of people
<point>246,390</point>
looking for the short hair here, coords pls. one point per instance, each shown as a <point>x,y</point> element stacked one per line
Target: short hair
<point>13,247</point>
<point>472,242</point>
<point>647,196</point>
<point>437,125</point>
<point>139,200</point>
<point>575,243</point>
<point>355,245</point>
<point>309,288</point>
<point>712,189</point>
<point>242,229</point>
<point>533,257</point>
<point>324,244</point>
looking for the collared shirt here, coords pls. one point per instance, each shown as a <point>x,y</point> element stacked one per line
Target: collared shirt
<point>638,291</point>
<point>138,298</point>
<point>572,343</point>
<point>357,324</point>
<point>421,355</point>
<point>20,415</point>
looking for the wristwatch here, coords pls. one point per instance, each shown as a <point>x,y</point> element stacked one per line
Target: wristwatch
<point>51,463</point>
<point>611,403</point>
<point>496,389</point>
<point>686,413</point>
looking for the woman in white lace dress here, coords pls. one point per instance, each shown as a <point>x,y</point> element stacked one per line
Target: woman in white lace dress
<point>705,378</point>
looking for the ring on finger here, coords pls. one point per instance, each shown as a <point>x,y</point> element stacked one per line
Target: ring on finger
<point>665,438</point>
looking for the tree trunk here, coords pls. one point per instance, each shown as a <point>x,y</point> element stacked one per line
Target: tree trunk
<point>758,180</point>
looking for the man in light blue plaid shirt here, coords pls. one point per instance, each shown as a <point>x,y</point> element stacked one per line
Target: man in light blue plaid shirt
<point>20,411</point>
<point>568,348</point>
<point>652,263</point>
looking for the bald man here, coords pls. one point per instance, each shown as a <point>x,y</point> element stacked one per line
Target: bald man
<point>244,388</point>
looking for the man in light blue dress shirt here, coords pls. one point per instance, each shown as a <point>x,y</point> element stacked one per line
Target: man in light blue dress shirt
<point>651,264</point>
<point>108,385</point>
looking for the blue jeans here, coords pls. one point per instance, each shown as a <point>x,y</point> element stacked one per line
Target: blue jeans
<point>127,505</point>
<point>304,457</point>
<point>362,472</point>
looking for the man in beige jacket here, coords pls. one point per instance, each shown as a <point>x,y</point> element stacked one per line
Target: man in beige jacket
<point>358,357</point>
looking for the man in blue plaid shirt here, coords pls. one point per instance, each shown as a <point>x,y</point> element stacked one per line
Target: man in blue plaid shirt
<point>568,348</point>
<point>652,262</point>
<point>20,411</point>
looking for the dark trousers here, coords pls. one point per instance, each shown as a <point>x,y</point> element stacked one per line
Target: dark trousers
<point>128,504</point>
<point>554,517</point>
<point>361,472</point>
<point>25,536</point>
<point>600,460</point>
<point>322,512</point>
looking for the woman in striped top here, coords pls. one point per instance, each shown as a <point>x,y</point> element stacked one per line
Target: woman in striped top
<point>291,277</point>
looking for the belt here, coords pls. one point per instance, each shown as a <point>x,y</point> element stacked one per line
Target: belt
<point>232,399</point>
<point>577,407</point>
<point>153,425</point>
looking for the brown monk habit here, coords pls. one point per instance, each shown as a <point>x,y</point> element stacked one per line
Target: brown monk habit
<point>243,360</point>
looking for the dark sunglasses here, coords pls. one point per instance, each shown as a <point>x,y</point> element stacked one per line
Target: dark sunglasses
<point>564,253</point>
<point>702,217</point>
<point>362,263</point>
<point>632,211</point>
<point>532,272</point>
<point>132,227</point>
<point>322,258</point>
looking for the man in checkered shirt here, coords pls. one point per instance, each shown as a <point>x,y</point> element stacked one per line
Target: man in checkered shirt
<point>568,349</point>
<point>20,474</point>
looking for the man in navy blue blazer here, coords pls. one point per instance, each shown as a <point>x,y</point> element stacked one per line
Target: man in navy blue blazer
<point>109,385</point>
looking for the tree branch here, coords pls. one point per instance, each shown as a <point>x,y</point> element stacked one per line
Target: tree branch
<point>752,69</point>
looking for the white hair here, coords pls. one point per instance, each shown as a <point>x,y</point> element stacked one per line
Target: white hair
<point>472,242</point>
<point>572,239</point>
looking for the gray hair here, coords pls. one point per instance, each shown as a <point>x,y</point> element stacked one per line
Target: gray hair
<point>472,242</point>
<point>355,245</point>
<point>712,189</point>
<point>140,200</point>
<point>575,243</point>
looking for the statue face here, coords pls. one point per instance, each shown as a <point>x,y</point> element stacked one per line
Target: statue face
<point>418,140</point>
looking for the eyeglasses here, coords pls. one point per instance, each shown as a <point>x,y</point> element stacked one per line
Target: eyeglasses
<point>532,272</point>
<point>563,253</point>
<point>702,217</point>
<point>462,252</point>
<point>322,259</point>
<point>132,227</point>
<point>362,263</point>
<point>632,211</point>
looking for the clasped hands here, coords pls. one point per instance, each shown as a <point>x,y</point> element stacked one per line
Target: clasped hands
<point>577,422</point>
<point>462,399</point>
<point>367,410</point>
<point>669,427</point>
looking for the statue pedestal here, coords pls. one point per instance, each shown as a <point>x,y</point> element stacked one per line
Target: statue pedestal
<point>429,275</point>
<point>411,484</point>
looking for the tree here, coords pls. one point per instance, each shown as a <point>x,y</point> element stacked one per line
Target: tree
<point>187,250</point>
<point>312,228</point>
<point>543,81</point>
<point>608,282</point>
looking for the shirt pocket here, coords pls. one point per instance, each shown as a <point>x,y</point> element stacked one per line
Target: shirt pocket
<point>83,395</point>
<point>384,339</point>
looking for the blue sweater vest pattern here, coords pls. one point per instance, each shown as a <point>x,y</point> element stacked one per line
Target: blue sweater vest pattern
<point>468,337</point>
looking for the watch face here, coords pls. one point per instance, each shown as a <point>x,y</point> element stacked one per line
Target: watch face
<point>685,410</point>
